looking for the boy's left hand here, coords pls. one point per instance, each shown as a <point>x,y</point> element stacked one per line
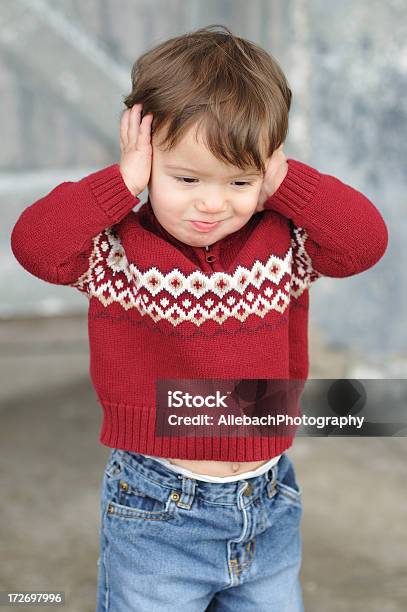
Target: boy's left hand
<point>276,170</point>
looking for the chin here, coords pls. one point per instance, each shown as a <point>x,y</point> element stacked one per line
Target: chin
<point>196,242</point>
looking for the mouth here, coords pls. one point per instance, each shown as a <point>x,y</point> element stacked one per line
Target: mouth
<point>203,226</point>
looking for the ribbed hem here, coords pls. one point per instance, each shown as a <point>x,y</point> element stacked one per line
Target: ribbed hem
<point>128,428</point>
<point>297,188</point>
<point>111,192</point>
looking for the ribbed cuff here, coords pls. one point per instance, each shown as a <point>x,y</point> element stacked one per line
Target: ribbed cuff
<point>296,190</point>
<point>111,192</point>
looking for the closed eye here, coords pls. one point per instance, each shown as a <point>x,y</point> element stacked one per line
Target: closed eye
<point>181,179</point>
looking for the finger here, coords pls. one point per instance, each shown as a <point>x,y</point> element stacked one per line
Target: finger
<point>144,138</point>
<point>123,127</point>
<point>134,124</point>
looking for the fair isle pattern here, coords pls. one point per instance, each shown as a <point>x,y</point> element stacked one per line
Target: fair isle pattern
<point>197,297</point>
<point>303,272</point>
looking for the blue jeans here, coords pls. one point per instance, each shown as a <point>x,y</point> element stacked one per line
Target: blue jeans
<point>170,543</point>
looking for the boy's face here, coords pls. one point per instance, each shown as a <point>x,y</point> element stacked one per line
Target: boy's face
<point>199,187</point>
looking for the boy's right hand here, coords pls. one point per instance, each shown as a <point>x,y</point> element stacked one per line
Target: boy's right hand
<point>136,149</point>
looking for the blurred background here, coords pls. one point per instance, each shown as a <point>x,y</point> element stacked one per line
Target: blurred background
<point>64,71</point>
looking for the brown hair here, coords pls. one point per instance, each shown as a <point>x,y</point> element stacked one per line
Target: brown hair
<point>228,85</point>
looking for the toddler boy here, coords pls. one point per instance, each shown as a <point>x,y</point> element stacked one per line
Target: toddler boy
<point>208,280</point>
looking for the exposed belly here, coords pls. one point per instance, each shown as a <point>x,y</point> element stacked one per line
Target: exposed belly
<point>218,468</point>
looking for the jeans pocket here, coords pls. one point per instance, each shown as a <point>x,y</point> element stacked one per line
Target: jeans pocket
<point>288,486</point>
<point>292,493</point>
<point>132,497</point>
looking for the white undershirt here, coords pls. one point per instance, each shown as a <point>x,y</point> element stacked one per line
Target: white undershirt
<point>206,478</point>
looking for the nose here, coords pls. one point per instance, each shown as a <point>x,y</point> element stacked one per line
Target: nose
<point>212,203</point>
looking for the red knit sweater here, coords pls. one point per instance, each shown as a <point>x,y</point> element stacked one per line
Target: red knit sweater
<point>161,309</point>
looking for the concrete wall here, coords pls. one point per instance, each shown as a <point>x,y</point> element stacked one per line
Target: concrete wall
<point>65,67</point>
